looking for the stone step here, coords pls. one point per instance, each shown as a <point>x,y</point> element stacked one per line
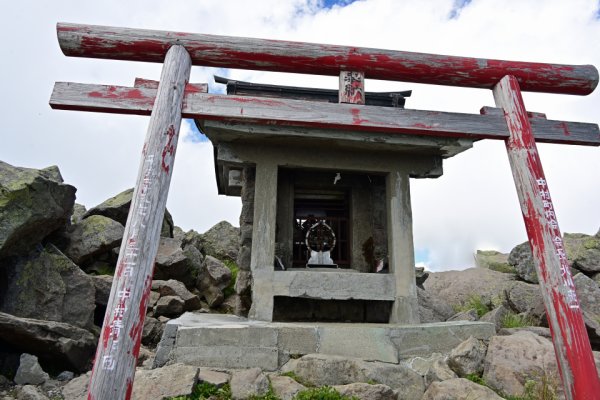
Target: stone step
<point>227,341</point>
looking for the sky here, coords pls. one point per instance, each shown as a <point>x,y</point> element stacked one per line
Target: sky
<point>472,206</point>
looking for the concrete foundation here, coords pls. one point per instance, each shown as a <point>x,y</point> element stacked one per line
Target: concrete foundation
<point>227,341</point>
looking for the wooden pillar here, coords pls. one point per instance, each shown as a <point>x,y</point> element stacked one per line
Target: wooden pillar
<point>401,253</point>
<point>119,344</point>
<point>352,87</point>
<point>263,240</point>
<point>571,342</point>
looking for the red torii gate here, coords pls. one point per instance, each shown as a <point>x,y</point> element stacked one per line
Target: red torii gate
<point>173,98</point>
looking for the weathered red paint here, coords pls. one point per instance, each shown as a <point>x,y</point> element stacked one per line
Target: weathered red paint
<point>169,149</point>
<point>307,58</point>
<point>571,343</point>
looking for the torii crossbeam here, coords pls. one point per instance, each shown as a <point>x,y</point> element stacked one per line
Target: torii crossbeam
<point>173,98</point>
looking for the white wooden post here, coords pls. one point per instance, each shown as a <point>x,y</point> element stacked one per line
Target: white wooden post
<point>571,342</point>
<point>119,344</point>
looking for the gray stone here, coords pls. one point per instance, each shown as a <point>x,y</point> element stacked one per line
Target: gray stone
<point>33,204</point>
<point>152,332</point>
<point>172,263</point>
<point>165,346</point>
<point>58,343</point>
<point>65,376</point>
<point>78,212</point>
<point>522,260</point>
<point>29,392</point>
<point>217,378</point>
<point>76,389</point>
<point>175,288</point>
<point>243,288</point>
<point>366,391</point>
<point>588,294</point>
<point>583,251</point>
<point>456,288</point>
<point>169,381</point>
<point>30,372</point>
<point>217,271</point>
<point>459,389</point>
<point>496,316</point>
<point>117,208</point>
<point>47,285</point>
<point>321,369</point>
<point>92,236</point>
<point>522,297</point>
<point>248,382</point>
<point>469,315</point>
<point>467,358</point>
<point>222,241</point>
<point>145,358</point>
<point>493,260</point>
<point>512,360</point>
<point>102,284</point>
<point>538,330</point>
<point>170,306</point>
<point>285,387</point>
<point>431,308</point>
<point>420,276</point>
<point>439,371</point>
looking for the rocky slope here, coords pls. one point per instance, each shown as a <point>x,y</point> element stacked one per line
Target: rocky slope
<point>56,261</point>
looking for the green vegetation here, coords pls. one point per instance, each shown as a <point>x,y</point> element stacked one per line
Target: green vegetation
<point>205,391</point>
<point>477,303</point>
<point>233,267</point>
<point>321,393</point>
<point>477,379</point>
<point>512,320</point>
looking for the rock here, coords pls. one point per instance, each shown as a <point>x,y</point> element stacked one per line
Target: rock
<point>496,316</point>
<point>526,298</point>
<point>421,276</point>
<point>459,389</point>
<point>467,358</point>
<point>78,212</point>
<point>243,288</point>
<point>588,294</point>
<point>285,387</point>
<point>77,388</point>
<point>169,381</point>
<point>365,391</point>
<point>222,241</point>
<point>29,392</point>
<point>170,306</point>
<point>102,284</point>
<point>176,288</point>
<point>431,309</point>
<point>583,251</point>
<point>214,276</point>
<point>512,360</point>
<point>65,376</point>
<point>439,371</point>
<point>246,383</point>
<point>217,378</point>
<point>493,260</point>
<point>92,236</point>
<point>117,208</point>
<point>522,260</point>
<point>538,330</point>
<point>172,263</point>
<point>456,288</point>
<point>145,358</point>
<point>46,285</point>
<point>469,315</point>
<point>30,371</point>
<point>321,369</point>
<point>152,332</point>
<point>60,344</point>
<point>33,203</point>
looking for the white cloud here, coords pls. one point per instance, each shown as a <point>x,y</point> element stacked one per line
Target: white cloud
<point>473,205</point>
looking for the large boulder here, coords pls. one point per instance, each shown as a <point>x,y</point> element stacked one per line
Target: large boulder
<point>583,251</point>
<point>457,288</point>
<point>513,360</point>
<point>222,241</point>
<point>92,236</point>
<point>166,382</point>
<point>588,294</point>
<point>213,277</point>
<point>467,358</point>
<point>58,344</point>
<point>176,288</point>
<point>172,262</point>
<point>459,389</point>
<point>117,208</point>
<point>431,308</point>
<point>33,203</point>
<point>521,259</point>
<point>248,383</point>
<point>47,285</point>
<point>321,369</point>
<point>285,387</point>
<point>30,372</point>
<point>366,391</point>
<point>525,298</point>
<point>494,260</point>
